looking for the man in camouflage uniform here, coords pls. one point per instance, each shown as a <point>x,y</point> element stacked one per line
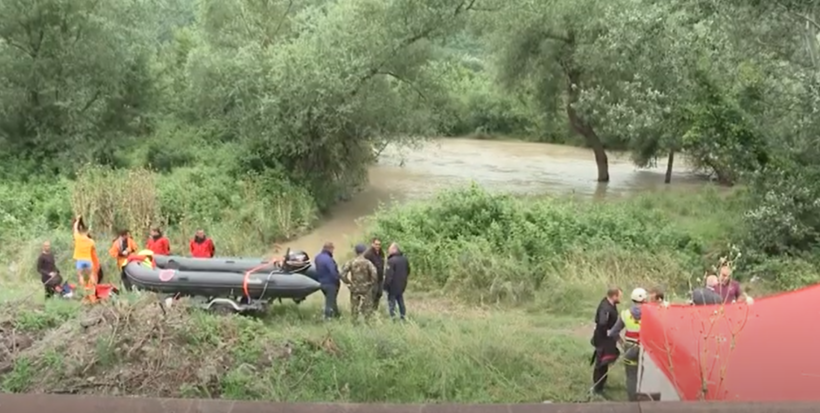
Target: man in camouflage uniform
<point>360,276</point>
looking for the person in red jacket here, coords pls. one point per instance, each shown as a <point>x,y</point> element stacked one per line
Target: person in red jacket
<point>202,246</point>
<point>158,243</point>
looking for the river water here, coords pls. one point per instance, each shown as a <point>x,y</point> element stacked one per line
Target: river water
<point>521,168</point>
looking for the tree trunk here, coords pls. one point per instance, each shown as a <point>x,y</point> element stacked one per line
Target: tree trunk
<point>592,139</point>
<point>585,129</point>
<point>669,162</point>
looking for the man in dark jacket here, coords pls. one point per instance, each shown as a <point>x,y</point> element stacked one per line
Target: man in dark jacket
<point>707,295</point>
<point>395,280</point>
<point>47,268</point>
<point>376,256</point>
<point>606,347</point>
<point>327,272</point>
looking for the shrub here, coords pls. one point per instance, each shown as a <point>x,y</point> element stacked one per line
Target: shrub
<point>505,248</point>
<point>244,216</point>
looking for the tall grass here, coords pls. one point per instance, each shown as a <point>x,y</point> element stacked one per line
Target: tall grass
<point>493,247</point>
<point>443,354</point>
<point>244,216</point>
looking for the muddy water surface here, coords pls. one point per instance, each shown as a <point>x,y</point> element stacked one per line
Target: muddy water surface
<point>512,167</point>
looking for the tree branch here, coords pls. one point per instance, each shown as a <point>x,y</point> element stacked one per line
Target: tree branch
<point>405,81</point>
<point>801,16</point>
<point>90,102</point>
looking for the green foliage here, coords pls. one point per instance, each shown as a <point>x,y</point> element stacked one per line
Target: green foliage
<point>479,107</point>
<point>53,112</point>
<point>240,214</point>
<point>503,247</point>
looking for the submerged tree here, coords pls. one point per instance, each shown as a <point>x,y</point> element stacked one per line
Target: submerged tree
<point>544,44</point>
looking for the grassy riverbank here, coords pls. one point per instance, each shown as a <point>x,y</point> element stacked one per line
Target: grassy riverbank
<point>500,308</point>
<point>446,352</point>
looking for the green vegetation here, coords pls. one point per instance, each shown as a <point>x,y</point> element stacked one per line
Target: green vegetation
<point>448,352</point>
<point>501,303</point>
<point>497,249</point>
<point>251,119</point>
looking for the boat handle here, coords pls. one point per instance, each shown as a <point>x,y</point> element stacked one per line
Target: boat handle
<point>230,262</point>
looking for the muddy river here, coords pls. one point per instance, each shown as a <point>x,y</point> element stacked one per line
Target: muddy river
<point>513,167</point>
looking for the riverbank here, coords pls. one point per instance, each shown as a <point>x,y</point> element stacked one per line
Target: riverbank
<point>445,352</point>
<point>474,334</point>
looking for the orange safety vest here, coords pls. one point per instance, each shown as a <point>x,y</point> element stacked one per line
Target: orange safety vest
<point>116,249</point>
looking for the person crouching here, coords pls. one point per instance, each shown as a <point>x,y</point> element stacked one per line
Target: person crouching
<point>49,273</point>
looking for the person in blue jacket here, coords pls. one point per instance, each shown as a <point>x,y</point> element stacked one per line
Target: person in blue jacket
<point>328,276</point>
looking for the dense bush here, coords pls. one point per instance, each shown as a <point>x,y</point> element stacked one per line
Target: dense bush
<point>473,240</point>
<point>243,215</point>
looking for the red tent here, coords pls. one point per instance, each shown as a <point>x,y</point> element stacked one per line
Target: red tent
<point>759,352</point>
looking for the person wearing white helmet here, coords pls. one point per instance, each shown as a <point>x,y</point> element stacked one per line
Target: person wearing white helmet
<point>630,323</point>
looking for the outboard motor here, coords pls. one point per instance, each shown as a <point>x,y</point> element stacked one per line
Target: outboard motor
<point>296,261</point>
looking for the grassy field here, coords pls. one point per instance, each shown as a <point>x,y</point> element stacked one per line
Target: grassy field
<point>446,351</point>
<point>500,310</point>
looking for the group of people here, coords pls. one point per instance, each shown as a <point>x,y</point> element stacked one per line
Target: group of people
<point>369,276</point>
<point>87,262</point>
<point>719,288</point>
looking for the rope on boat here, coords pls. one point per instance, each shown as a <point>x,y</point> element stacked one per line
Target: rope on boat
<point>265,288</point>
<point>248,277</point>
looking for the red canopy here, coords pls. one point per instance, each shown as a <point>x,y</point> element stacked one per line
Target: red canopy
<point>759,352</point>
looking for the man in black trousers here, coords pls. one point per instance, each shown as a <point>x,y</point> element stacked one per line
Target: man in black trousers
<point>606,348</point>
<point>395,280</point>
<point>375,254</point>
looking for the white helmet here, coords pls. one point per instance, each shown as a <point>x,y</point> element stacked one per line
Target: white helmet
<point>638,295</point>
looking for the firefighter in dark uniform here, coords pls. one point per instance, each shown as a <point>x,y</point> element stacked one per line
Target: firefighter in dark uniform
<point>606,347</point>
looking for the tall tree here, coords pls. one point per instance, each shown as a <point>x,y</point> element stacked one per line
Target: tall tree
<point>73,80</point>
<point>310,93</point>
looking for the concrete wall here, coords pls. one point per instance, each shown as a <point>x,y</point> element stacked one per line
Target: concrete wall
<point>30,403</point>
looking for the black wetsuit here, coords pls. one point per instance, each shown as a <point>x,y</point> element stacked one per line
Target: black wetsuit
<point>606,348</point>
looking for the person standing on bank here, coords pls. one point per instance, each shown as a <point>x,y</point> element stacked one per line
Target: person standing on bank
<point>606,348</point>
<point>202,246</point>
<point>395,280</point>
<point>630,323</point>
<point>121,248</point>
<point>328,276</point>
<point>158,243</point>
<point>375,255</point>
<point>728,288</point>
<point>360,276</point>
<point>84,254</point>
<point>707,295</point>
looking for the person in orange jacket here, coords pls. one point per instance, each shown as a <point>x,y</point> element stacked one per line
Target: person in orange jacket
<point>158,242</point>
<point>201,246</point>
<point>121,248</point>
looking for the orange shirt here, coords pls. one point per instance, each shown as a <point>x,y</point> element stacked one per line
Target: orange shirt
<point>83,247</point>
<point>116,249</point>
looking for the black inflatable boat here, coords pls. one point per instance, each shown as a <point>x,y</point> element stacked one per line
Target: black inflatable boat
<point>239,283</point>
<point>225,264</point>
